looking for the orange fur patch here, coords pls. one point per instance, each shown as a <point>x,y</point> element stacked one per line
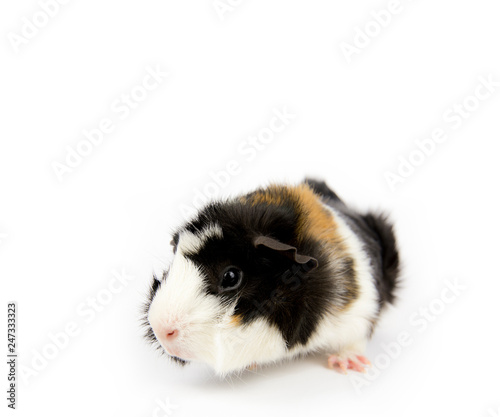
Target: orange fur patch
<point>236,320</point>
<point>315,222</point>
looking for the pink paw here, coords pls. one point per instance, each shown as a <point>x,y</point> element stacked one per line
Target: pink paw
<point>252,367</point>
<point>342,363</point>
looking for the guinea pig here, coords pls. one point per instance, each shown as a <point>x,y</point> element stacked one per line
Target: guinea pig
<point>281,272</point>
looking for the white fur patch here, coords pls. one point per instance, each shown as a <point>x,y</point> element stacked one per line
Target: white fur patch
<point>182,303</point>
<point>239,346</point>
<point>192,242</point>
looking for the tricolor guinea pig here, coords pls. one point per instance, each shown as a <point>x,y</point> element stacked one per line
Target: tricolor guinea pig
<point>281,272</point>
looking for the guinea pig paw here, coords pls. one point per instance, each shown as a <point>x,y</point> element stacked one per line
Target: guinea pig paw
<point>342,363</point>
<point>252,367</point>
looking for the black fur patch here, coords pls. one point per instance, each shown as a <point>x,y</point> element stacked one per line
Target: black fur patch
<point>378,238</point>
<point>320,188</point>
<point>387,280</point>
<point>287,294</point>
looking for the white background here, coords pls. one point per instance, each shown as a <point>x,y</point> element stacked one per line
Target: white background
<point>62,240</point>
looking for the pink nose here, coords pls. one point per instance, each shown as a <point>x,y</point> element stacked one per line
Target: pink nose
<point>171,334</point>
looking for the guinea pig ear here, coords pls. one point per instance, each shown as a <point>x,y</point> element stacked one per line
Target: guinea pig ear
<point>287,250</point>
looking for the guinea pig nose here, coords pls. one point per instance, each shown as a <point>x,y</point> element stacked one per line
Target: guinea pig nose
<point>171,334</point>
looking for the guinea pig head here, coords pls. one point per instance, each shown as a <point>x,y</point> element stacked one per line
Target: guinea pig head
<point>229,298</point>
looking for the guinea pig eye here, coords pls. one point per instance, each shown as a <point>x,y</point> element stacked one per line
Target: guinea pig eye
<point>231,278</point>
